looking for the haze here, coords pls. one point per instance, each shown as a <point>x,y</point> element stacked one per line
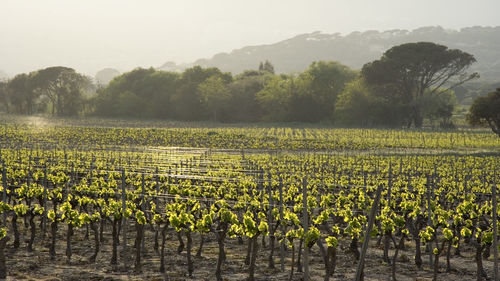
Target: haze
<point>124,34</point>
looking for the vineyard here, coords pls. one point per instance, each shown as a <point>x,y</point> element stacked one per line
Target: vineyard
<point>186,202</point>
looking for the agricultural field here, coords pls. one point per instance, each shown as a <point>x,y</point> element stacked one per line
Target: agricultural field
<point>128,200</point>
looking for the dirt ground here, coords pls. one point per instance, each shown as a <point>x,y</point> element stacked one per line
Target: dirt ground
<point>37,265</point>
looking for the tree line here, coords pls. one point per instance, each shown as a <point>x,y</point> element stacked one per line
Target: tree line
<point>58,90</point>
<point>410,83</point>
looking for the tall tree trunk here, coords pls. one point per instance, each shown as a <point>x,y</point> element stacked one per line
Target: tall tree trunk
<point>418,119</point>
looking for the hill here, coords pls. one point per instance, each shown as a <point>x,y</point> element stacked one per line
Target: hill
<point>356,49</point>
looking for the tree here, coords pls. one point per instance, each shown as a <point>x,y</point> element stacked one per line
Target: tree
<point>48,81</point>
<point>406,72</point>
<point>274,98</point>
<point>243,106</point>
<point>325,81</point>
<point>72,98</point>
<point>358,105</point>
<point>486,110</point>
<point>21,95</point>
<point>152,88</point>
<point>64,88</point>
<point>188,105</point>
<point>214,95</point>
<point>267,66</point>
<point>4,96</point>
<point>354,105</point>
<point>439,106</point>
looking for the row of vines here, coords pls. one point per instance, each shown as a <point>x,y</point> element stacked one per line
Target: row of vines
<point>286,203</point>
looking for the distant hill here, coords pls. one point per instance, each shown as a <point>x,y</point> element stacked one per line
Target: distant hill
<point>356,49</point>
<point>104,76</point>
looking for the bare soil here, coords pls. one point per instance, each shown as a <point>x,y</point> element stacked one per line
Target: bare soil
<point>37,265</point>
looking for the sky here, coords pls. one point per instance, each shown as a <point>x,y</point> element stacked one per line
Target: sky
<point>123,34</point>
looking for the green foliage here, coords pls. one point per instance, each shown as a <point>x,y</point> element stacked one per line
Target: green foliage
<point>406,72</point>
<point>427,234</point>
<point>332,241</point>
<point>214,95</point>
<point>355,105</point>
<point>4,207</point>
<point>448,234</point>
<point>139,93</point>
<point>311,236</point>
<point>20,95</point>
<point>243,105</point>
<point>52,215</point>
<point>20,209</point>
<point>237,202</point>
<point>486,110</point>
<point>63,87</point>
<point>465,232</point>
<point>139,217</point>
<point>186,102</point>
<point>266,67</point>
<point>274,98</point>
<point>325,80</point>
<point>207,93</point>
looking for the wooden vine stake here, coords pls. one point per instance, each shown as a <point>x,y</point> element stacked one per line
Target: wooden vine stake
<point>282,244</point>
<point>429,219</point>
<point>495,230</point>
<point>124,222</point>
<point>271,223</point>
<point>371,220</point>
<point>4,196</point>
<point>143,207</point>
<point>305,224</point>
<point>44,201</point>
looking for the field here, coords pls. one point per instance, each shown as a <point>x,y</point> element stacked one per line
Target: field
<point>128,200</point>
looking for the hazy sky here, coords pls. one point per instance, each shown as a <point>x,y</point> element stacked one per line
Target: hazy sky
<point>94,34</point>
